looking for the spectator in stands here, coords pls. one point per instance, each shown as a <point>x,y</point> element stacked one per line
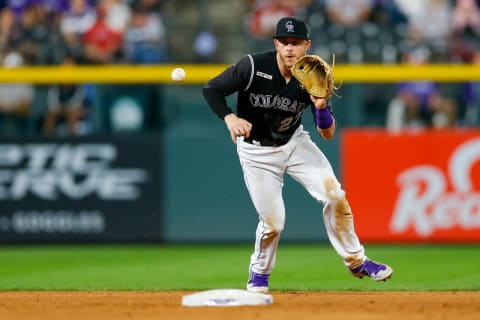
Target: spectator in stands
<point>427,23</point>
<point>51,47</point>
<point>386,13</point>
<point>102,43</point>
<point>65,105</point>
<point>465,48</point>
<point>6,22</point>
<point>420,104</point>
<point>263,18</point>
<point>347,20</point>
<point>261,21</point>
<point>21,33</point>
<point>144,39</point>
<point>36,35</point>
<point>466,15</point>
<point>79,18</point>
<point>118,14</point>
<point>10,18</point>
<point>15,99</point>
<point>349,13</point>
<point>465,24</point>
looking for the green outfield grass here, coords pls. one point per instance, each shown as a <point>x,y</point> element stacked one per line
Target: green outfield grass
<point>203,267</point>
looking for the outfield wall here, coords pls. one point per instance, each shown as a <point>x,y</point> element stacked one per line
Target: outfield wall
<point>185,185</point>
<point>418,186</point>
<point>90,189</point>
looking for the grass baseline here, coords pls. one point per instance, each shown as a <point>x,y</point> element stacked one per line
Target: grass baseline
<point>302,267</point>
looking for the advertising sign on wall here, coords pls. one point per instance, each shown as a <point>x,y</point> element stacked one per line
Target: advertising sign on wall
<point>415,186</point>
<point>88,189</point>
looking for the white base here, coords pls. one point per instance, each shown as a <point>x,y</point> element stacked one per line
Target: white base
<point>226,298</point>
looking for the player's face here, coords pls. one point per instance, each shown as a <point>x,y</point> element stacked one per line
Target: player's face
<point>290,49</point>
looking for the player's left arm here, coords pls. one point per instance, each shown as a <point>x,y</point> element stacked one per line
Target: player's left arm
<point>324,118</point>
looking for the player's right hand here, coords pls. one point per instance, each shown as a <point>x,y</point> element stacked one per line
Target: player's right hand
<point>237,126</point>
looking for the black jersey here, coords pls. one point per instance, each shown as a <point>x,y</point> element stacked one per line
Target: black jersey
<point>273,106</point>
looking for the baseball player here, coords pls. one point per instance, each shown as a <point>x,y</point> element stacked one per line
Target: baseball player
<point>271,141</point>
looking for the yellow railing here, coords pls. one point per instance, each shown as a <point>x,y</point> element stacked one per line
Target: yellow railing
<point>198,74</point>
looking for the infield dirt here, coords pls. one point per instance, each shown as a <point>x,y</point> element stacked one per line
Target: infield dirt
<point>166,305</point>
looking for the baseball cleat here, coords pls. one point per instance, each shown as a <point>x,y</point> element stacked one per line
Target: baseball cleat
<point>257,282</point>
<point>375,270</point>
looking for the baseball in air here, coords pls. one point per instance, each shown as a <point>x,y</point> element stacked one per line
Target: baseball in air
<point>178,74</point>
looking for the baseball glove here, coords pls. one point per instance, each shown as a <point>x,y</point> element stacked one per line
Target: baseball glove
<point>315,75</point>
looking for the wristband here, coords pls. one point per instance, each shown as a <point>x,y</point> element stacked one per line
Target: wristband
<point>323,118</point>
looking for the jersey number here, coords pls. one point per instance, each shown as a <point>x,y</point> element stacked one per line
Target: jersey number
<point>285,124</point>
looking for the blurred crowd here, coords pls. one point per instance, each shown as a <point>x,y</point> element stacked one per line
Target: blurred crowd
<point>377,31</point>
<point>88,31</point>
<point>53,32</point>
<point>386,32</point>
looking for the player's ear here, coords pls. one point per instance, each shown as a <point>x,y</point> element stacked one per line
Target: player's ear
<point>308,45</point>
<point>275,43</point>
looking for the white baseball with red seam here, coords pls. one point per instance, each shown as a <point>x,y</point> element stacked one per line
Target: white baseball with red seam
<point>178,74</point>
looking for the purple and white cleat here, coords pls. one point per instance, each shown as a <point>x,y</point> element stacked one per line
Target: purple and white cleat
<point>258,282</point>
<point>375,270</point>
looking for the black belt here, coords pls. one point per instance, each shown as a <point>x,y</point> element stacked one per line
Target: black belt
<point>266,142</point>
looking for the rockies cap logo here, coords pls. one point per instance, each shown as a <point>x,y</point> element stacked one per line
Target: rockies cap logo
<point>290,27</point>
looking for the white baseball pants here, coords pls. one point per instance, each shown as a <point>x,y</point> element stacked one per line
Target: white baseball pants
<point>263,170</point>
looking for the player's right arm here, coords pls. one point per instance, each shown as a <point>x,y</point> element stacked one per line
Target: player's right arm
<point>233,79</point>
<point>237,126</point>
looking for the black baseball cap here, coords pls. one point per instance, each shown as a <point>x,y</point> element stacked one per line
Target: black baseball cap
<point>291,27</point>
